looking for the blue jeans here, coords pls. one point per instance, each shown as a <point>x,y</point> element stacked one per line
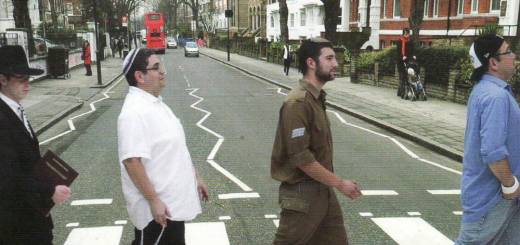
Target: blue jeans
<point>501,226</point>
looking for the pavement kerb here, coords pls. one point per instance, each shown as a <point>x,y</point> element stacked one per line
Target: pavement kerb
<point>108,83</point>
<point>421,140</point>
<point>49,123</point>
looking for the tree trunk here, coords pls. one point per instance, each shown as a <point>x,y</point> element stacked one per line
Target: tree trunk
<point>416,18</point>
<point>331,18</point>
<point>54,15</point>
<point>23,20</point>
<point>284,13</point>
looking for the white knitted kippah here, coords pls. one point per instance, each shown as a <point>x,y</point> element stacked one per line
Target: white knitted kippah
<point>129,60</point>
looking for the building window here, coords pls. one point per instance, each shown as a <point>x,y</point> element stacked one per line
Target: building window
<point>426,8</point>
<point>460,7</point>
<point>292,20</point>
<point>495,5</point>
<point>340,16</point>
<point>321,15</point>
<point>272,21</point>
<point>474,6</point>
<point>397,8</point>
<point>435,8</point>
<point>303,17</point>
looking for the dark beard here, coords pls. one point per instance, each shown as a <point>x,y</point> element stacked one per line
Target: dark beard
<point>322,76</point>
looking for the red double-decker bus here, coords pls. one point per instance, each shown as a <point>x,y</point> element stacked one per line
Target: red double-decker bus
<point>155,32</point>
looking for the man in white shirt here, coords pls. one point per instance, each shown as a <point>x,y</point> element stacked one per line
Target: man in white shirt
<point>160,184</point>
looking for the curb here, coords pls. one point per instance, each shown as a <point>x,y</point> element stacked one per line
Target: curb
<point>421,140</point>
<point>104,85</point>
<point>49,123</point>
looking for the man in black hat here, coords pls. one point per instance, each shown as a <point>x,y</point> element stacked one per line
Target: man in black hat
<point>489,185</point>
<point>21,194</point>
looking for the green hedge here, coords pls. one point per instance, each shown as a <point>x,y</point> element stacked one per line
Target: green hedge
<point>436,61</point>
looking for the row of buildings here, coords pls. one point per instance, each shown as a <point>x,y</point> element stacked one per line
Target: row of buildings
<point>386,18</point>
<point>66,13</point>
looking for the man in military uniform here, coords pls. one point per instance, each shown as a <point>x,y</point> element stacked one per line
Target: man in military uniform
<point>302,156</point>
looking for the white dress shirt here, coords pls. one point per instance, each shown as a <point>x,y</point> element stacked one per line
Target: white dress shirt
<point>18,110</point>
<point>148,129</point>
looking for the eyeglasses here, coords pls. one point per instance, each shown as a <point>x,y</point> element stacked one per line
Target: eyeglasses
<point>158,67</point>
<point>509,52</point>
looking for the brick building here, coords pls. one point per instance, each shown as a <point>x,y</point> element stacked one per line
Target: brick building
<point>442,18</point>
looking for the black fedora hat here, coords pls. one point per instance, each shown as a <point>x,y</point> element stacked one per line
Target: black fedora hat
<point>14,61</point>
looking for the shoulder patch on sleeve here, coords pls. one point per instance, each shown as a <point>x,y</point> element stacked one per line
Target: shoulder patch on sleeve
<point>298,132</point>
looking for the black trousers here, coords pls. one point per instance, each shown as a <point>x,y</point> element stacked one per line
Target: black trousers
<point>286,66</point>
<point>89,70</point>
<point>172,235</point>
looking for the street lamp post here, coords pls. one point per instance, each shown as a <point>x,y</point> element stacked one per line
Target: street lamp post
<point>228,14</point>
<point>98,60</point>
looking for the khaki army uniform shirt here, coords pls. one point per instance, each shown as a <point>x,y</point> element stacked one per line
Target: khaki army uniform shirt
<point>303,134</point>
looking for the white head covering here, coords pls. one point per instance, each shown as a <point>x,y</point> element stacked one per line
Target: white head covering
<point>129,60</point>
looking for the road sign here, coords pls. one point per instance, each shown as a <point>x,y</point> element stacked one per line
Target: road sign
<point>124,21</point>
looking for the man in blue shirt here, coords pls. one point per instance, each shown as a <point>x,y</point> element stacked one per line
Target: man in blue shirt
<point>489,185</point>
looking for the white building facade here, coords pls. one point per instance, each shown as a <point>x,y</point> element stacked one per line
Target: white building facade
<point>305,19</point>
<point>6,14</point>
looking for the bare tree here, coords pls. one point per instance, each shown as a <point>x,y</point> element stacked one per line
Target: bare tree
<point>284,14</point>
<point>331,18</point>
<point>23,20</point>
<point>54,15</point>
<point>416,18</point>
<point>195,7</point>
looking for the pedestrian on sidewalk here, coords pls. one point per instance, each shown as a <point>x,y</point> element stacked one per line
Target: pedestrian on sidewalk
<point>302,157</point>
<point>489,185</point>
<point>120,47</point>
<point>160,184</point>
<point>21,194</point>
<point>404,51</point>
<point>87,58</point>
<point>287,58</point>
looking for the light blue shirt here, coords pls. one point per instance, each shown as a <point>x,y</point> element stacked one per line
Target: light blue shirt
<point>492,134</point>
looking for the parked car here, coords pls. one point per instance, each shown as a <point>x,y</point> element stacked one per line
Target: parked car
<point>172,43</point>
<point>42,45</point>
<point>191,49</point>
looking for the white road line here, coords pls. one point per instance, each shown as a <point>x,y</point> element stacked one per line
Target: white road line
<point>444,192</point>
<point>414,213</point>
<point>404,148</point>
<point>411,231</point>
<point>276,222</point>
<point>104,235</point>
<point>92,109</point>
<point>187,81</point>
<point>379,193</point>
<point>72,225</point>
<point>224,218</point>
<point>91,202</point>
<point>270,216</point>
<point>239,195</point>
<point>441,166</point>
<point>211,156</point>
<point>213,233</point>
<point>120,222</point>
<point>366,214</point>
<point>457,212</point>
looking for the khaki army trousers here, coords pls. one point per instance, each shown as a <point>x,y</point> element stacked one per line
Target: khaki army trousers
<point>311,215</point>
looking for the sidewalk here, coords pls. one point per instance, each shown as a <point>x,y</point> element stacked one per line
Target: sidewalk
<point>50,100</point>
<point>436,124</point>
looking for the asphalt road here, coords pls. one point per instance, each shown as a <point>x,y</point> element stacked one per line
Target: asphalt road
<point>230,118</point>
